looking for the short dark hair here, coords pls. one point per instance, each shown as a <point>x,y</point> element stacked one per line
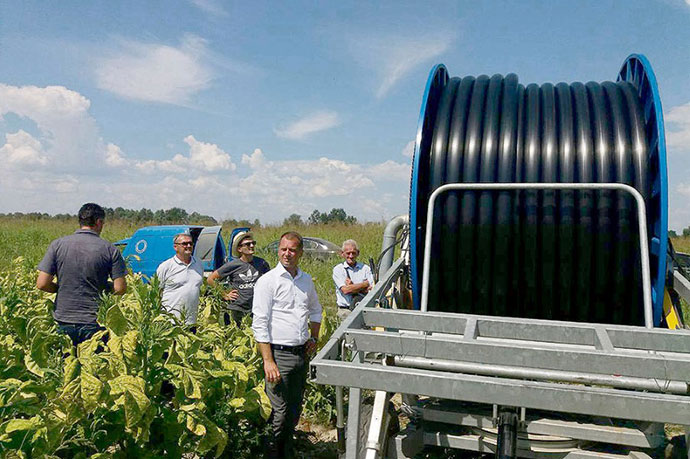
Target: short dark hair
<point>293,236</point>
<point>89,213</point>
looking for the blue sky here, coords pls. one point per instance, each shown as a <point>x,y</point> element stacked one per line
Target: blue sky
<point>260,110</point>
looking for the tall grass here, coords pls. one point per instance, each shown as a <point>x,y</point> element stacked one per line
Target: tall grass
<point>681,243</point>
<point>30,238</point>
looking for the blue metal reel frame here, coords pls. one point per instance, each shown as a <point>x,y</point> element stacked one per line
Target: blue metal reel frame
<point>438,77</point>
<point>638,71</point>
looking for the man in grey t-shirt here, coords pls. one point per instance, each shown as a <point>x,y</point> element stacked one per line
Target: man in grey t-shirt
<point>239,276</point>
<point>82,262</point>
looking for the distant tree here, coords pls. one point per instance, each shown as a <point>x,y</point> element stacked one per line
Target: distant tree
<point>315,218</point>
<point>293,220</point>
<point>176,215</point>
<point>334,216</point>
<point>672,233</point>
<point>686,231</point>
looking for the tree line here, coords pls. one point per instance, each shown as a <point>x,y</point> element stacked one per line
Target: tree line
<point>684,233</point>
<point>177,215</point>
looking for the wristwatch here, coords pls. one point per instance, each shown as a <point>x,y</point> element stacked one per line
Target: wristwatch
<point>312,339</point>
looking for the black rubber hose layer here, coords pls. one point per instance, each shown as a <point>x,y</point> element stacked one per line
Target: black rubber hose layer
<point>565,255</point>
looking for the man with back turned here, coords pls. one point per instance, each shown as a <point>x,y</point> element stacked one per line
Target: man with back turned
<point>82,262</point>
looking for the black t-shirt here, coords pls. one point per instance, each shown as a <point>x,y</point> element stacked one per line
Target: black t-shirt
<point>240,275</point>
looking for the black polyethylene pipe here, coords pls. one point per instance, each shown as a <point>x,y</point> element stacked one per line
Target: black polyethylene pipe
<point>544,254</point>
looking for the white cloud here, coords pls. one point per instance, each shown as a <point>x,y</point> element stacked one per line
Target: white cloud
<point>255,160</point>
<point>114,156</point>
<point>67,133</point>
<point>155,72</point>
<point>408,150</point>
<point>23,150</point>
<point>319,121</point>
<point>678,127</point>
<point>207,156</point>
<point>210,6</point>
<point>390,171</point>
<point>392,57</point>
<point>203,158</point>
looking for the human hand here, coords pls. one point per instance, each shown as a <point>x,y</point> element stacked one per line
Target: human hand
<point>348,281</point>
<point>232,295</point>
<point>311,346</point>
<point>271,371</point>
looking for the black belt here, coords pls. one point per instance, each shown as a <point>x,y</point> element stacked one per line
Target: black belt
<point>292,349</point>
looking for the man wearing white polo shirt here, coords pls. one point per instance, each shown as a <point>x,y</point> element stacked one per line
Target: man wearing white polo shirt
<point>180,280</point>
<point>287,319</point>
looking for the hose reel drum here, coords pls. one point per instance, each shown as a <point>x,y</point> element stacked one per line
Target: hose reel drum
<point>549,254</point>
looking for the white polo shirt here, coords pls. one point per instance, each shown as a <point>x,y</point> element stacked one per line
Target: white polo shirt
<point>180,284</point>
<point>283,306</point>
<point>359,273</point>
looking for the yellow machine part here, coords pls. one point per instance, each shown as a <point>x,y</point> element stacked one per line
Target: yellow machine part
<point>671,315</point>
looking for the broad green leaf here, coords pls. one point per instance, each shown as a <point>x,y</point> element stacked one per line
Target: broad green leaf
<point>32,366</point>
<point>72,368</point>
<point>191,384</point>
<point>15,425</point>
<point>129,347</point>
<point>91,388</point>
<point>257,400</point>
<point>115,320</point>
<point>133,397</point>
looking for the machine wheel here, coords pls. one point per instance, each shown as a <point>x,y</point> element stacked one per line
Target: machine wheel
<point>392,426</point>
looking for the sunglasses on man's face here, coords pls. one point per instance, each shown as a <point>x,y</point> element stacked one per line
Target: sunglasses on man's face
<point>247,244</point>
<point>188,243</point>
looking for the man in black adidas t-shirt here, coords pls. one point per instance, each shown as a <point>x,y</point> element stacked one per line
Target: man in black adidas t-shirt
<point>238,276</point>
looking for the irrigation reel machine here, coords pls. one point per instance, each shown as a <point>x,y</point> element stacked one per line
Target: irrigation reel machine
<point>542,316</point>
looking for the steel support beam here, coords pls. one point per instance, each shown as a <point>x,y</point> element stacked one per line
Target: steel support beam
<point>595,401</point>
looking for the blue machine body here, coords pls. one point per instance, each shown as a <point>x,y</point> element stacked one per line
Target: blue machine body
<point>149,246</point>
<point>635,70</point>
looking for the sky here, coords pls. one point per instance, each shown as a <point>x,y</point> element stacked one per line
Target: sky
<point>252,110</point>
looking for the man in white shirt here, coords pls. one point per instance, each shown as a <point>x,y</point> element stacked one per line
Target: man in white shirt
<point>180,280</point>
<point>352,279</point>
<point>287,318</point>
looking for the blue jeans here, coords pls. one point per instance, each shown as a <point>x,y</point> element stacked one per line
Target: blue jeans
<point>79,332</point>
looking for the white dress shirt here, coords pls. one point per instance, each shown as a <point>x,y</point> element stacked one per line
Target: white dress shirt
<point>180,283</point>
<point>359,273</point>
<point>283,306</point>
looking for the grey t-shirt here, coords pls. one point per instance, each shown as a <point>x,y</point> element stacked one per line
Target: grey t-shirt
<point>240,275</point>
<point>82,262</point>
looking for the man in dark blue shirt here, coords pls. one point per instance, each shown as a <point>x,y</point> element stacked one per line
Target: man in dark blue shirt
<point>82,262</point>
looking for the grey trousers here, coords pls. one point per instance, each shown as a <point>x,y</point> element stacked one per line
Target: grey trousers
<point>286,397</point>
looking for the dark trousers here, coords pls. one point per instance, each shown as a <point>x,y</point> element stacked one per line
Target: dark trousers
<point>286,399</point>
<point>78,332</point>
<point>235,316</point>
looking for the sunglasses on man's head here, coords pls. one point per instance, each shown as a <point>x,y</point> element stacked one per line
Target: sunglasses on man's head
<point>248,243</point>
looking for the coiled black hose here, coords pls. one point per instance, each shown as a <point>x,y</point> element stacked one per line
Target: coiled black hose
<point>561,255</point>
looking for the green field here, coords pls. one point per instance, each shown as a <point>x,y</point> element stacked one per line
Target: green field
<point>156,388</point>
